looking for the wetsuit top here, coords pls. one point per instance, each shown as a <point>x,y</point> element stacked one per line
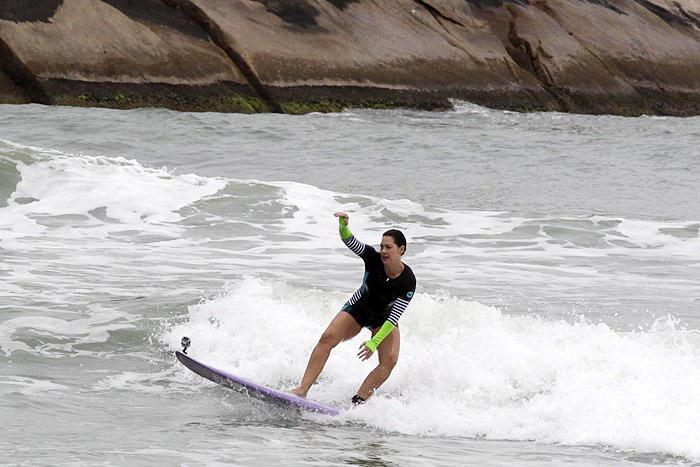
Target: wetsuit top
<point>385,299</point>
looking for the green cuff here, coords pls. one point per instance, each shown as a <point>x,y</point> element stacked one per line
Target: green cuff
<point>344,229</point>
<point>384,331</point>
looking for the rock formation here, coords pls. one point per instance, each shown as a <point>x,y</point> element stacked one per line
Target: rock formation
<point>592,56</point>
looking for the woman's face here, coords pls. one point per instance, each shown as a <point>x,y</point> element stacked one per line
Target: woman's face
<point>389,251</point>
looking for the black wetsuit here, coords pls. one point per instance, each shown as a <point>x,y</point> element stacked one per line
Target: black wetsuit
<point>380,298</point>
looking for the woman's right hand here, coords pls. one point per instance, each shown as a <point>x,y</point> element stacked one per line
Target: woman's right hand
<point>343,216</point>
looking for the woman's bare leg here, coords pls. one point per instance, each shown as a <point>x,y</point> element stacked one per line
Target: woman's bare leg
<point>388,356</point>
<point>342,328</point>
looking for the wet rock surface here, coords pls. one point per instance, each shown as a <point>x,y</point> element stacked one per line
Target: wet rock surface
<point>624,57</point>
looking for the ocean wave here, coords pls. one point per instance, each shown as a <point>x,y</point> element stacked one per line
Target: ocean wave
<point>468,370</point>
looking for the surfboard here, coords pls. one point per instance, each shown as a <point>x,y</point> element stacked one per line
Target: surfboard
<point>253,389</point>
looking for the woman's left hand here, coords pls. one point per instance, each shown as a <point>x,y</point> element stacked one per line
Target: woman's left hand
<point>365,352</point>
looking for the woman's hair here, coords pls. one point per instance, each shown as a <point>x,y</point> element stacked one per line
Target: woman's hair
<point>398,237</point>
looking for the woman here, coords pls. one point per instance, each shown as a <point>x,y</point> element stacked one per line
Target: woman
<point>378,304</point>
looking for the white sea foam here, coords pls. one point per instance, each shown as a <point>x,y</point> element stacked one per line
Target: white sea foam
<point>466,370</point>
<point>310,207</point>
<point>86,211</point>
<point>469,108</point>
<point>58,337</point>
<point>116,194</point>
<point>138,382</point>
<point>462,251</point>
<point>28,386</point>
<point>127,192</point>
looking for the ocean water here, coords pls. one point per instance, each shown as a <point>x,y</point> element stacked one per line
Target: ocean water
<point>556,320</point>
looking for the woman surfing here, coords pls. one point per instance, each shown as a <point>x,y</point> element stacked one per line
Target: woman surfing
<point>386,291</point>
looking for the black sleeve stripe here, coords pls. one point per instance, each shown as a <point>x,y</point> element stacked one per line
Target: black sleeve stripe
<point>397,310</point>
<point>355,245</point>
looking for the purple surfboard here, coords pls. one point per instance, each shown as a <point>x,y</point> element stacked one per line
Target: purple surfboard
<point>253,389</point>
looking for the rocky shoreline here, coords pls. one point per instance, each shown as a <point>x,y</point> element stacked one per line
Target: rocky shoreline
<point>624,57</point>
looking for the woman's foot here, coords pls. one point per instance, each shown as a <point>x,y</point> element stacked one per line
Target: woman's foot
<point>297,392</point>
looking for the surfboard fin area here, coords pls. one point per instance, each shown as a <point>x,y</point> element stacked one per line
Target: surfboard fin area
<point>253,389</point>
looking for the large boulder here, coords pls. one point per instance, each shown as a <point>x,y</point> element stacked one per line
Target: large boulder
<point>656,56</point>
<point>594,56</point>
<point>10,93</point>
<point>117,53</point>
<point>396,50</point>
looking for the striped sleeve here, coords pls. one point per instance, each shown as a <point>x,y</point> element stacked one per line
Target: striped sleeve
<point>397,310</point>
<point>355,297</point>
<point>355,245</point>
